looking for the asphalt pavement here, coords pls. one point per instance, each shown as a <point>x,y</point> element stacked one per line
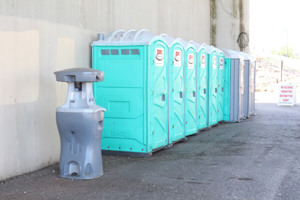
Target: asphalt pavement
<point>256,159</point>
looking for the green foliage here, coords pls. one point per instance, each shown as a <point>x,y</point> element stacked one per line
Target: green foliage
<point>285,51</point>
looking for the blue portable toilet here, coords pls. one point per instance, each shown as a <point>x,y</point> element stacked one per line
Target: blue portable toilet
<point>249,83</point>
<point>221,62</point>
<point>134,91</point>
<point>233,94</point>
<point>176,89</point>
<point>202,85</point>
<point>212,86</point>
<point>252,82</point>
<point>246,73</point>
<point>190,106</point>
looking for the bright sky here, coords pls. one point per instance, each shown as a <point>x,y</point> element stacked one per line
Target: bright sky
<point>275,23</point>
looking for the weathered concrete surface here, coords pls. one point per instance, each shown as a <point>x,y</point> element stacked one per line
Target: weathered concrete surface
<point>40,37</point>
<point>257,159</point>
<point>231,18</point>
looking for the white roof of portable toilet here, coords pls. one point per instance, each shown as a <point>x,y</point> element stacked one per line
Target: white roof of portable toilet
<point>209,48</point>
<point>130,37</point>
<point>198,46</point>
<point>219,51</point>
<point>247,56</point>
<point>230,53</point>
<point>185,44</point>
<point>170,40</point>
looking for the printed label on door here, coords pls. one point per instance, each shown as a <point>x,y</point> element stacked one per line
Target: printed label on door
<point>177,58</point>
<point>159,57</point>
<point>202,64</point>
<point>191,61</point>
<point>221,63</point>
<point>214,64</point>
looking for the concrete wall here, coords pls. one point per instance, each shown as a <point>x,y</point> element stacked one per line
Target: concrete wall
<point>39,37</point>
<point>229,18</point>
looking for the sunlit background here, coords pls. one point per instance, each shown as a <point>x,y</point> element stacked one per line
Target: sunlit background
<point>274,24</point>
<point>275,41</point>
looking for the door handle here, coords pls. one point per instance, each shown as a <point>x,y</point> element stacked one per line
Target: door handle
<point>163,97</point>
<point>204,91</point>
<point>194,94</point>
<point>216,90</point>
<point>180,95</point>
<point>222,89</point>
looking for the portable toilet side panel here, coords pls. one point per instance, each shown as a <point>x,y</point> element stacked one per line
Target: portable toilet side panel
<point>246,88</point>
<point>190,92</point>
<point>221,86</point>
<point>202,105</point>
<point>235,104</point>
<point>252,88</point>
<point>123,93</point>
<point>213,89</point>
<point>157,95</point>
<point>232,86</point>
<point>176,63</point>
<point>227,91</point>
<point>242,89</point>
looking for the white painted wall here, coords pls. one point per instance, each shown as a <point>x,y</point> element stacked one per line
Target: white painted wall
<point>39,37</point>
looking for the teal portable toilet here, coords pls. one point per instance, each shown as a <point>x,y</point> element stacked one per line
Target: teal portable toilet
<point>202,85</point>
<point>233,92</point>
<point>212,86</point>
<point>190,105</point>
<point>221,60</point>
<point>134,91</point>
<point>176,89</point>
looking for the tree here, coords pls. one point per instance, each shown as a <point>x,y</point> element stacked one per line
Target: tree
<point>285,51</point>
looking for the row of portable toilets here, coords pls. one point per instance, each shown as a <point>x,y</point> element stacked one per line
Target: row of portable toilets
<point>158,90</point>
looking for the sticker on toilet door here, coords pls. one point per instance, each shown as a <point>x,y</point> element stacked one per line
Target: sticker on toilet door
<point>214,63</point>
<point>177,58</point>
<point>202,64</point>
<point>221,63</point>
<point>159,57</point>
<point>191,61</point>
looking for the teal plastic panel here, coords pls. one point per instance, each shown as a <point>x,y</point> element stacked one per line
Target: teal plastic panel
<point>176,89</point>
<point>157,95</point>
<point>123,93</point>
<point>202,93</point>
<point>221,63</point>
<point>227,91</point>
<point>134,92</point>
<point>213,89</point>
<point>190,92</point>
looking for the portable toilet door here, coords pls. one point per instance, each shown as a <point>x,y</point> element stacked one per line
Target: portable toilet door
<point>213,87</point>
<point>134,91</point>
<point>221,60</point>
<point>246,84</point>
<point>176,89</point>
<point>190,106</point>
<point>252,71</point>
<point>242,87</point>
<point>231,84</point>
<point>202,81</point>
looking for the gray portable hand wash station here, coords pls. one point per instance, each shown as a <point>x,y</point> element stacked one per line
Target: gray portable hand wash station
<point>80,124</point>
